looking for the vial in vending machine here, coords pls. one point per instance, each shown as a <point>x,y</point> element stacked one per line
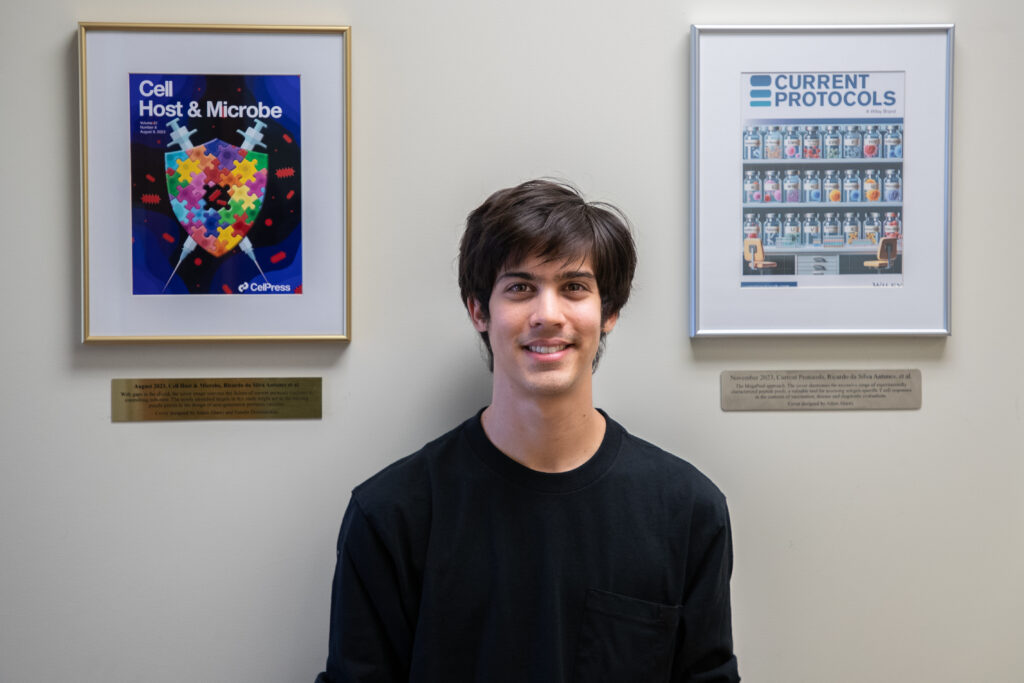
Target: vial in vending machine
<point>771,229</point>
<point>892,226</point>
<point>772,186</point>
<point>872,143</point>
<point>773,143</point>
<point>853,143</point>
<point>752,186</point>
<point>812,230</point>
<point>871,185</point>
<point>751,226</point>
<point>812,142</point>
<point>751,143</point>
<point>791,229</point>
<point>832,186</point>
<point>830,226</point>
<point>851,227</point>
<point>893,143</point>
<point>833,142</point>
<point>792,143</point>
<point>791,186</point>
<point>892,185</point>
<point>872,227</point>
<point>851,185</point>
<point>811,189</point>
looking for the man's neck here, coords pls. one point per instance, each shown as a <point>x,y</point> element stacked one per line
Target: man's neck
<point>547,435</point>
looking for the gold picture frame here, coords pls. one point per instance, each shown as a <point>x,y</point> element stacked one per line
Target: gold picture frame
<point>195,144</point>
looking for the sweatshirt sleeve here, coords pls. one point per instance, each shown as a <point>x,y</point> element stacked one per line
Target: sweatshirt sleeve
<point>705,650</point>
<point>371,623</point>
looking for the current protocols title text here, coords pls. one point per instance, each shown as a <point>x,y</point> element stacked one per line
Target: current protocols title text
<point>819,90</point>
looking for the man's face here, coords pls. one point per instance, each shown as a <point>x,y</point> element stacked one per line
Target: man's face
<point>544,327</point>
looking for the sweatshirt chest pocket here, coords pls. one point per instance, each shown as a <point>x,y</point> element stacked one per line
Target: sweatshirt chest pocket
<point>625,640</point>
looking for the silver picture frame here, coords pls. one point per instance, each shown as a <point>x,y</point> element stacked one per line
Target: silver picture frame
<point>763,261</point>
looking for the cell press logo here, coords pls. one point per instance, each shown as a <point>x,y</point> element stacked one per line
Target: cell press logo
<point>261,287</point>
<point>760,93</point>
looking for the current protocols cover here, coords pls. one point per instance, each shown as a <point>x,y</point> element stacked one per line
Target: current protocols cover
<point>822,186</point>
<point>216,186</point>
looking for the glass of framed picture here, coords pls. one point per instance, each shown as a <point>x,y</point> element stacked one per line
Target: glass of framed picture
<point>820,166</point>
<point>215,182</point>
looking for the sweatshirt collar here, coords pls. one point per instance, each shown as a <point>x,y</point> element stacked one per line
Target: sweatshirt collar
<point>546,482</point>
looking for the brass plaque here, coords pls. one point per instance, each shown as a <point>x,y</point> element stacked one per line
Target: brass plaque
<point>219,398</point>
<point>821,389</point>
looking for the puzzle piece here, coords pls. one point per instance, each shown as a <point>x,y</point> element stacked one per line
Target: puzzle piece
<point>211,220</point>
<point>186,168</point>
<point>229,178</point>
<point>241,224</point>
<point>236,208</point>
<point>182,211</point>
<point>244,170</point>
<point>217,176</point>
<point>227,155</point>
<point>209,165</point>
<point>227,214</point>
<point>171,160</point>
<point>258,184</point>
<point>195,225</point>
<point>225,234</point>
<point>203,239</point>
<point>228,239</point>
<point>241,195</point>
<point>192,194</point>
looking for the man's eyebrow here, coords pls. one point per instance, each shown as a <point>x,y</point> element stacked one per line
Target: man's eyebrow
<point>577,274</point>
<point>516,274</point>
<point>565,275</point>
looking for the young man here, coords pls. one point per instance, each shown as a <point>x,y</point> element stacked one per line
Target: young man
<point>538,541</point>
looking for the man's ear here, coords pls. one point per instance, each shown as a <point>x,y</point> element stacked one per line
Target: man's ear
<point>476,314</point>
<point>609,323</point>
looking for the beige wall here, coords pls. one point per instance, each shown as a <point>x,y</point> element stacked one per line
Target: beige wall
<point>869,546</point>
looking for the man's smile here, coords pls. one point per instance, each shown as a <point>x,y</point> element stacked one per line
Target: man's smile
<point>547,348</point>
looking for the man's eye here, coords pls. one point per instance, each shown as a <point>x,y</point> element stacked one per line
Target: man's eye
<point>517,287</point>
<point>576,287</point>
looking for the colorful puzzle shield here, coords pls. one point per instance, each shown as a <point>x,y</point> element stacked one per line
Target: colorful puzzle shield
<point>216,191</point>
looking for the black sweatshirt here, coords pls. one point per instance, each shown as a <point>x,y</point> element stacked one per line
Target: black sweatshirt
<point>459,564</point>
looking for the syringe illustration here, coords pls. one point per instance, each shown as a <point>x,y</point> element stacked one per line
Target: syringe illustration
<point>216,191</point>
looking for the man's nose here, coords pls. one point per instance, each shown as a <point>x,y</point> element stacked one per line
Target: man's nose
<point>547,309</point>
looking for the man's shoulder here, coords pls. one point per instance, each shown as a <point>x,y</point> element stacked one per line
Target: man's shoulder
<point>661,469</point>
<point>408,481</point>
